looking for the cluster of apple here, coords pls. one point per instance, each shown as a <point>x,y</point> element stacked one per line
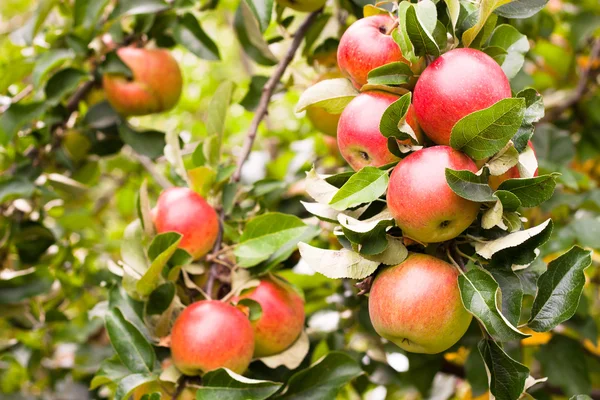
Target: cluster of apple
<point>212,334</point>
<point>417,304</point>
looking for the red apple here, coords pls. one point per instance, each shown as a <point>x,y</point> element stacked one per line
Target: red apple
<point>156,84</point>
<point>366,45</point>
<point>513,173</point>
<point>422,203</point>
<point>210,334</point>
<point>184,211</point>
<point>417,305</point>
<point>282,318</point>
<point>455,85</point>
<point>359,139</point>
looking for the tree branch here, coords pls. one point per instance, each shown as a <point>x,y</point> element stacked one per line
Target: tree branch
<point>149,165</point>
<point>267,92</point>
<point>582,85</point>
<point>18,97</point>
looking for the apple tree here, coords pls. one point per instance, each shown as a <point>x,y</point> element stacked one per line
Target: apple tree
<point>299,199</point>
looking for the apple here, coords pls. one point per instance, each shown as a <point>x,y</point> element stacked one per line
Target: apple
<point>184,211</point>
<point>513,173</point>
<point>359,139</point>
<point>166,389</point>
<point>366,45</point>
<point>322,120</point>
<point>155,87</point>
<point>210,334</point>
<point>302,5</point>
<point>282,318</point>
<point>417,305</point>
<point>455,85</point>
<point>422,203</point>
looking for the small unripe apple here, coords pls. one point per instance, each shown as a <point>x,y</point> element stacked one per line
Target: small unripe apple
<point>366,45</point>
<point>302,5</point>
<point>166,389</point>
<point>184,211</point>
<point>417,305</point>
<point>422,203</point>
<point>455,85</point>
<point>210,334</point>
<point>322,120</point>
<point>513,173</point>
<point>282,318</point>
<point>359,139</point>
<point>155,87</point>
<point>76,144</point>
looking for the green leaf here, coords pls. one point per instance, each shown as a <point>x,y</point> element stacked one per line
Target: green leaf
<point>534,104</point>
<point>518,246</point>
<point>323,380</point>
<point>49,61</point>
<point>292,357</point>
<point>135,7</point>
<point>148,143</point>
<point>521,8</point>
<point>86,13</point>
<point>394,253</point>
<point>512,292</point>
<point>453,12</point>
<point>215,119</point>
<point>365,186</point>
<point>101,116</point>
<point>160,299</point>
<point>510,202</point>
<point>265,234</point>
<point>17,116</point>
<point>254,308</point>
<point>32,239</point>
<point>248,31</point>
<point>394,116</point>
<point>162,248</point>
<point>506,376</point>
<point>563,362</point>
<point>173,154</point>
<point>113,65</point>
<point>252,97</point>
<point>421,38</point>
<point>470,186</point>
<point>394,73</point>
<point>225,384</point>
<point>132,348</point>
<point>144,209</point>
<point>369,234</point>
<point>202,180</point>
<point>400,35</point>
<point>262,9</point>
<point>188,33</point>
<point>111,370</point>
<point>486,7</point>
<point>483,133</point>
<point>129,383</point>
<point>25,285</point>
<point>337,264</point>
<point>479,292</point>
<point>516,46</point>
<point>14,188</point>
<point>333,95</point>
<point>26,33</point>
<point>531,192</point>
<point>132,251</point>
<point>559,290</point>
<point>62,84</point>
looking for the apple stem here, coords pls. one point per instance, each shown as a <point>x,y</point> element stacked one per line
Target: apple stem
<point>394,26</point>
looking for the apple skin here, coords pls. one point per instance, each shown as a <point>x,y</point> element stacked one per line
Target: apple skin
<point>302,5</point>
<point>365,46</point>
<point>166,389</point>
<point>282,318</point>
<point>184,211</point>
<point>322,120</point>
<point>210,334</point>
<point>455,85</point>
<point>513,173</point>
<point>359,139</point>
<point>156,84</point>
<point>417,305</point>
<point>422,203</point>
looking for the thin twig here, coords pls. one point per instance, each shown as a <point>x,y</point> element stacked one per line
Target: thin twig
<point>18,97</point>
<point>81,92</point>
<point>267,92</point>
<point>212,274</point>
<point>582,85</point>
<point>149,165</point>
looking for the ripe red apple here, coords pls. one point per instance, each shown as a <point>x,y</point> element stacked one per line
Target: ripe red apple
<point>366,45</point>
<point>422,203</point>
<point>417,305</point>
<point>184,211</point>
<point>210,334</point>
<point>513,173</point>
<point>359,139</point>
<point>455,85</point>
<point>282,318</point>
<point>156,84</point>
